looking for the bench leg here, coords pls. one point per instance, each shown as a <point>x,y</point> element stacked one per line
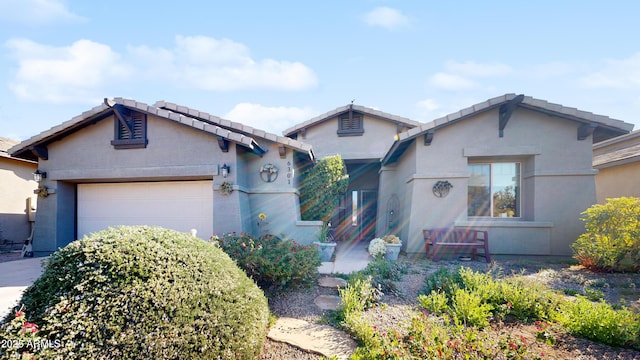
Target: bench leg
<point>474,254</point>
<point>486,252</point>
<point>435,253</point>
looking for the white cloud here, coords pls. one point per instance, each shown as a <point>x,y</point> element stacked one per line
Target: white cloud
<point>75,73</point>
<point>451,82</point>
<point>37,12</point>
<point>386,17</point>
<point>222,65</point>
<point>271,119</point>
<point>428,104</point>
<point>617,74</point>
<point>474,69</point>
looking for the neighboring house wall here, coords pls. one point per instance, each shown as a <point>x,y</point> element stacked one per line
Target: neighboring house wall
<point>16,186</point>
<point>557,181</point>
<point>618,164</point>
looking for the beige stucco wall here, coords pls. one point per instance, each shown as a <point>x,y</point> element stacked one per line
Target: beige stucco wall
<point>16,185</point>
<point>618,181</point>
<point>557,181</point>
<point>174,152</point>
<point>376,140</point>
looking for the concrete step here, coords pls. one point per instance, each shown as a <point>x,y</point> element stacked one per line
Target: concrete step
<point>327,302</point>
<point>332,282</point>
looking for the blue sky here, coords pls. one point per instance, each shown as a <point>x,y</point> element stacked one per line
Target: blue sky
<point>273,64</point>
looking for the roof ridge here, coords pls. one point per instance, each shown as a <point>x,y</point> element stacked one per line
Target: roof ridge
<point>367,110</point>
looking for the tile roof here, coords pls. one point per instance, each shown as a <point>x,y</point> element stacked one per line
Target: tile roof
<point>618,155</point>
<point>5,145</point>
<point>363,109</point>
<point>189,117</point>
<point>528,102</point>
<point>235,126</point>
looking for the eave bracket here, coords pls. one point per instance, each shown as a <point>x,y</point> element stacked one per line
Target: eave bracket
<point>506,110</point>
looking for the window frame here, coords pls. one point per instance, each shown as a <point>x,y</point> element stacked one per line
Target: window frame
<point>492,191</point>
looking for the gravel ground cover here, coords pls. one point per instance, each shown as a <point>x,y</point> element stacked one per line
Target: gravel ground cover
<point>396,310</point>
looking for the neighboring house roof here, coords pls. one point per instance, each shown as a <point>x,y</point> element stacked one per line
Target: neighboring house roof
<point>235,126</point>
<point>343,109</point>
<point>5,145</point>
<point>618,156</point>
<point>190,118</point>
<point>603,127</point>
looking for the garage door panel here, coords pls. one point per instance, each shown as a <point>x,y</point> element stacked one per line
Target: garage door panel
<point>178,205</point>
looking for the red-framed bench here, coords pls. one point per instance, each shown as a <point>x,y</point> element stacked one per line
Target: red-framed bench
<point>466,239</point>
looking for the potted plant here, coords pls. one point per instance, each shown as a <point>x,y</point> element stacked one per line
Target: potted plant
<point>393,246</point>
<point>325,243</point>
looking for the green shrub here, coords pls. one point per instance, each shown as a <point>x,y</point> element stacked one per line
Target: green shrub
<point>611,241</point>
<point>443,280</point>
<point>598,321</point>
<point>436,302</point>
<point>273,263</point>
<point>383,273</point>
<point>147,293</point>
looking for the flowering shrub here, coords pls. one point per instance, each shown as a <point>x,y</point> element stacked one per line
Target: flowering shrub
<point>377,247</point>
<point>271,262</point>
<point>146,293</point>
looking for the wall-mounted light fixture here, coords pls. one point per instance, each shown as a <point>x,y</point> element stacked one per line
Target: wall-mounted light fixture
<point>225,170</point>
<point>42,190</point>
<point>38,176</point>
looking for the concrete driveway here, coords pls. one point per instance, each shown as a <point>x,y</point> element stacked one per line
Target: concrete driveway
<point>15,277</point>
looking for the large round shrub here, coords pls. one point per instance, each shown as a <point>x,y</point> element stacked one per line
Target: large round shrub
<point>147,293</point>
<point>611,241</point>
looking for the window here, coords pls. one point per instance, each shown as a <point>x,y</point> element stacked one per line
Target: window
<point>494,190</point>
<point>130,129</point>
<point>350,124</point>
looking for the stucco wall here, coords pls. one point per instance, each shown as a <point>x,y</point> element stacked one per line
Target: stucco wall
<point>618,181</point>
<point>174,152</point>
<point>557,181</point>
<point>16,185</point>
<point>376,140</point>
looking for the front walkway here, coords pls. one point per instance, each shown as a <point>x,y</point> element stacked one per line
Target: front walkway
<point>349,257</point>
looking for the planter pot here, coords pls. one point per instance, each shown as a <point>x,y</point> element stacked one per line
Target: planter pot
<point>326,250</point>
<point>392,252</point>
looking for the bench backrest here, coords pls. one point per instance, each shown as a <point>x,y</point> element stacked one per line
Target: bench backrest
<point>454,236</point>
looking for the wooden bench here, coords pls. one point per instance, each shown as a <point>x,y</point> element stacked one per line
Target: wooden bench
<point>466,239</point>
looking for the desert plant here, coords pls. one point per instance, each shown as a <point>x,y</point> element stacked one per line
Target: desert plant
<point>611,241</point>
<point>274,263</point>
<point>391,239</point>
<point>321,188</point>
<point>146,292</point>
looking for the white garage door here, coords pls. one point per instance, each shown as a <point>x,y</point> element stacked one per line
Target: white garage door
<point>178,205</point>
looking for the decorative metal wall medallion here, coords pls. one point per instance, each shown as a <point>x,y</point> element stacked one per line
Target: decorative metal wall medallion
<point>441,188</point>
<point>268,172</point>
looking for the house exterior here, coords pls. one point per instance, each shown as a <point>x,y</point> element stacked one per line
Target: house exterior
<point>618,163</point>
<point>518,167</point>
<point>361,136</point>
<point>16,191</point>
<point>128,163</point>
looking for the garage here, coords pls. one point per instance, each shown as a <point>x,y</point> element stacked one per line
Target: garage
<point>178,205</point>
